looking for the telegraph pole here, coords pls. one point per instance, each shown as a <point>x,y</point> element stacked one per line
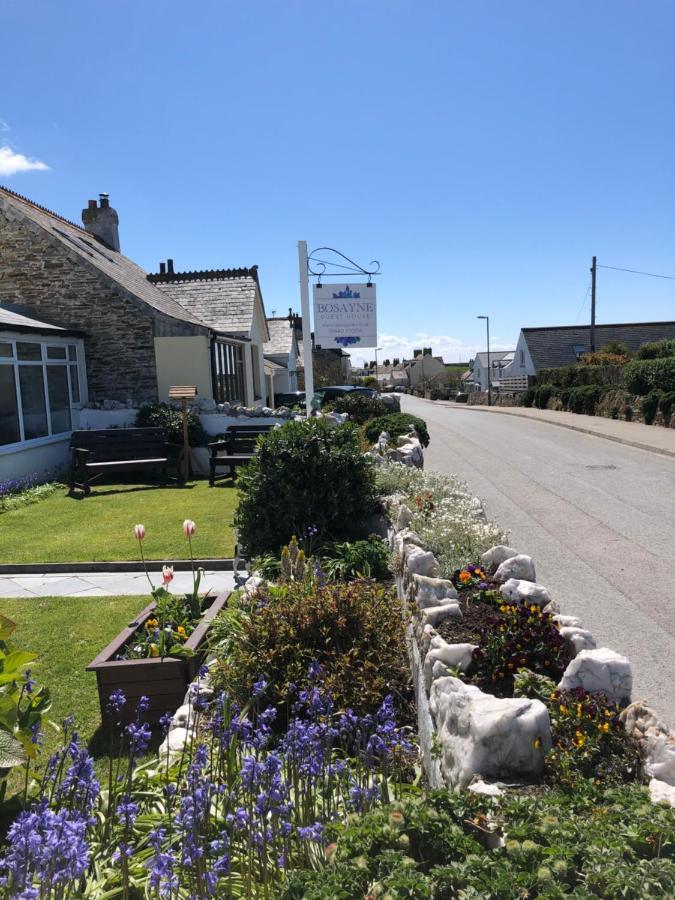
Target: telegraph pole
<point>594,268</point>
<point>306,326</point>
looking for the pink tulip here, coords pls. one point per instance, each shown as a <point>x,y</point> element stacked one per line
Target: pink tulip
<point>139,531</point>
<point>167,574</point>
<point>189,528</point>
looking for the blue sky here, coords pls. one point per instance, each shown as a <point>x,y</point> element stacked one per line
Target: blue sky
<point>482,150</point>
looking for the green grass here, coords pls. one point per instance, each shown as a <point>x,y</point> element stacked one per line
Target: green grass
<point>61,528</point>
<point>67,633</point>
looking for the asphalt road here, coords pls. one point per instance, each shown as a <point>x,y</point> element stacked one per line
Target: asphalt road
<point>597,517</point>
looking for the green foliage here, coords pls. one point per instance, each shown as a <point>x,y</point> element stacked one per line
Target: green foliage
<point>542,394</point>
<point>645,375</point>
<point>354,630</point>
<point>353,559</point>
<point>360,407</point>
<point>583,399</point>
<point>589,843</point>
<point>649,406</point>
<point>22,705</point>
<point>527,397</point>
<point>305,475</point>
<point>161,415</point>
<point>666,405</point>
<point>656,349</point>
<point>578,375</point>
<point>25,496</point>
<point>397,424</point>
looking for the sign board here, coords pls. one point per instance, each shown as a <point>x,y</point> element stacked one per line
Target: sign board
<point>345,316</point>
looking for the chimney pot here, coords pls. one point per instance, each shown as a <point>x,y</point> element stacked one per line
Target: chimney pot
<point>169,266</point>
<point>162,268</point>
<point>92,204</point>
<point>103,222</point>
<point>105,200</point>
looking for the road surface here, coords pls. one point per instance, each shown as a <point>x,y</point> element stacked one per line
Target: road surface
<point>597,517</point>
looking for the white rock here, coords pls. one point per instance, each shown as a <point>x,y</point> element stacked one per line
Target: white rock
<point>517,590</point>
<point>495,556</point>
<point>566,621</point>
<point>252,584</point>
<point>181,716</point>
<point>434,615</point>
<point>174,742</point>
<point>660,759</point>
<point>599,670</point>
<point>479,734</point>
<point>456,656</point>
<point>207,405</point>
<point>579,638</point>
<point>519,566</point>
<point>430,591</point>
<point>404,518</point>
<point>403,538</point>
<point>420,562</point>
<point>660,792</point>
<point>487,790</point>
<point>427,636</point>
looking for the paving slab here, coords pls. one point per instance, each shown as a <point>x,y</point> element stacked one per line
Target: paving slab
<point>107,584</point>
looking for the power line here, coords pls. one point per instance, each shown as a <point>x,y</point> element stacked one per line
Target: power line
<point>583,303</point>
<point>636,272</point>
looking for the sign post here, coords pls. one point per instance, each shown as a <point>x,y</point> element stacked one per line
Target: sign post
<point>306,325</point>
<point>184,393</point>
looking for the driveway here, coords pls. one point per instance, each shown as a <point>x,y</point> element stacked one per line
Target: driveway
<point>597,517</point>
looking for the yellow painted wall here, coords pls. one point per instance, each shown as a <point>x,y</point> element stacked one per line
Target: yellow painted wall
<point>183,360</point>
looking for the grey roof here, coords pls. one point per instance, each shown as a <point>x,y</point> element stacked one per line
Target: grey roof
<point>554,347</point>
<point>226,305</point>
<point>495,356</point>
<point>12,319</point>
<point>281,337</point>
<point>114,266</point>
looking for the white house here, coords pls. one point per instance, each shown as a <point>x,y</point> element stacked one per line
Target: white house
<point>424,370</point>
<point>500,360</point>
<point>282,350</point>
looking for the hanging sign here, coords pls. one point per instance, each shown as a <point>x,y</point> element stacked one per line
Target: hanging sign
<point>345,316</point>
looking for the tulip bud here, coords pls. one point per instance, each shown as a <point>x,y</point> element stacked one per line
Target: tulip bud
<point>139,531</point>
<point>167,574</point>
<point>189,528</point>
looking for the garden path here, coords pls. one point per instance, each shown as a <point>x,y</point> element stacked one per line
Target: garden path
<point>106,584</point>
<point>597,517</point>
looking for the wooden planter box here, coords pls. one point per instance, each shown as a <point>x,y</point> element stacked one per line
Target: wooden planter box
<point>163,681</point>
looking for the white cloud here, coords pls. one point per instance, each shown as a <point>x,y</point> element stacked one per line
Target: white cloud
<point>452,349</point>
<point>11,162</point>
<point>4,126</point>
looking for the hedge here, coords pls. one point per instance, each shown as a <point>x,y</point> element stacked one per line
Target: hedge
<point>396,424</point>
<point>577,375</point>
<point>645,375</point>
<point>657,349</point>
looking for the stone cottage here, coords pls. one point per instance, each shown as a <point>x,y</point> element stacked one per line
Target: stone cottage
<point>130,335</point>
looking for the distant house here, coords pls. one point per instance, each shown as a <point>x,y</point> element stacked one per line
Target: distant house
<point>500,360</point>
<point>564,345</point>
<point>425,370</point>
<point>282,350</point>
<point>131,335</point>
<point>392,376</point>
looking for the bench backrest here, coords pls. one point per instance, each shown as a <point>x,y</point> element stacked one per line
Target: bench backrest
<point>110,444</point>
<point>243,438</point>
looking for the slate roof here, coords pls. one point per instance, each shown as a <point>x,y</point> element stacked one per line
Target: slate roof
<point>114,266</point>
<point>495,356</point>
<point>12,319</point>
<point>554,347</point>
<point>281,337</point>
<point>224,299</point>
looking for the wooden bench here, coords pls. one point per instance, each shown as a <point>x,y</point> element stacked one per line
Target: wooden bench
<point>95,453</point>
<point>236,449</point>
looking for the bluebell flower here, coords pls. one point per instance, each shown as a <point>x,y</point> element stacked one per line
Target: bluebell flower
<point>116,702</point>
<point>139,738</point>
<point>29,682</point>
<point>36,736</point>
<point>143,705</point>
<point>165,722</point>
<point>259,688</point>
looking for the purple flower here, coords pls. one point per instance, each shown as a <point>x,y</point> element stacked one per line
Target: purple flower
<point>29,682</point>
<point>127,811</point>
<point>165,722</point>
<point>116,702</point>
<point>143,705</point>
<point>36,736</point>
<point>139,738</point>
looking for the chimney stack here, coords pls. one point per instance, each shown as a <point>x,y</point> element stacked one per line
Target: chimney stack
<point>102,221</point>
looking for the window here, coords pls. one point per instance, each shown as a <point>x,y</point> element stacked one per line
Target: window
<point>522,357</point>
<point>579,350</point>
<point>227,361</point>
<point>39,383</point>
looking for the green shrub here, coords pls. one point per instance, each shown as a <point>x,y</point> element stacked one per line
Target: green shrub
<point>161,415</point>
<point>396,424</point>
<point>578,375</point>
<point>666,404</point>
<point>583,399</point>
<point>657,349</point>
<point>645,375</point>
<point>360,407</point>
<point>649,406</point>
<point>542,394</point>
<point>527,397</point>
<point>354,630</point>
<point>304,475</point>
<point>352,559</point>
<point>586,843</point>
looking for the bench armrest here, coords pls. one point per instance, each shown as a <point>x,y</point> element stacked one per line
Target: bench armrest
<point>215,446</point>
<point>80,451</point>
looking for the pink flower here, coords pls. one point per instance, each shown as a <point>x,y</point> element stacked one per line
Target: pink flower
<point>167,574</point>
<point>139,531</point>
<point>189,528</point>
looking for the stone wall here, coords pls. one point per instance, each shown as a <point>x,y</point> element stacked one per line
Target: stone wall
<point>58,287</point>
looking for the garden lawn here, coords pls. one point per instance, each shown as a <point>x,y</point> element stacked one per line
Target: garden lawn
<point>61,528</point>
<point>67,633</point>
